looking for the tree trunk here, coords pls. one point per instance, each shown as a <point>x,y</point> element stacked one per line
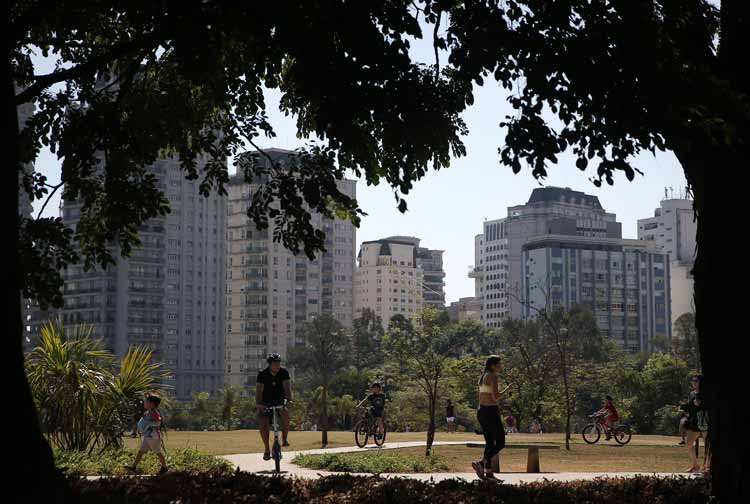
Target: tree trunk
<point>567,399</point>
<point>714,280</point>
<point>431,425</point>
<point>324,417</point>
<point>40,480</point>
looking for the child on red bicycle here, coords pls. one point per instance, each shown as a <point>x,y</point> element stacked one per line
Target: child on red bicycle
<point>609,415</point>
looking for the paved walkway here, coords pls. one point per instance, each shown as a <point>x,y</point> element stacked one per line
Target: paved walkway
<point>253,462</point>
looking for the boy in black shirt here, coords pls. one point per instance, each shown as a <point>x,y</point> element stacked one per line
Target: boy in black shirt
<point>272,387</point>
<point>377,405</point>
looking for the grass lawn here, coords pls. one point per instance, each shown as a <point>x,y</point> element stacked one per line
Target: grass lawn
<point>581,458</point>
<point>248,441</point>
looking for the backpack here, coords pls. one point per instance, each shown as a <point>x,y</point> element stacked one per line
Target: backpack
<point>701,420</point>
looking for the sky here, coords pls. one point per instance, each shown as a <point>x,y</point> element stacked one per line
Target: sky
<point>447,207</point>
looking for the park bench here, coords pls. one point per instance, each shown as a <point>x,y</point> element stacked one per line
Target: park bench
<point>532,460</point>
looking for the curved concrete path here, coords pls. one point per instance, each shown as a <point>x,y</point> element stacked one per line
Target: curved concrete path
<point>253,462</point>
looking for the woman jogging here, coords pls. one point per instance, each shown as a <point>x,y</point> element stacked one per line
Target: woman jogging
<point>488,415</point>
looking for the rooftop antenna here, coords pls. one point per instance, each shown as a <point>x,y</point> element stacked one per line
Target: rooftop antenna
<point>671,192</point>
<point>665,193</point>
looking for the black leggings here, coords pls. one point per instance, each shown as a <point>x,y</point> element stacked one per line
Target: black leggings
<point>492,428</point>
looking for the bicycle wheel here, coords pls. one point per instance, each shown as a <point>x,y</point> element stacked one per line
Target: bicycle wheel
<point>622,434</point>
<point>277,456</point>
<point>379,440</point>
<point>361,432</point>
<point>591,433</point>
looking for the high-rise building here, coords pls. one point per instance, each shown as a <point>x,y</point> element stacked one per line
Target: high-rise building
<point>388,280</point>
<point>466,308</point>
<point>270,291</point>
<point>498,251</point>
<point>672,230</point>
<point>430,261</point>
<point>625,283</point>
<point>169,294</point>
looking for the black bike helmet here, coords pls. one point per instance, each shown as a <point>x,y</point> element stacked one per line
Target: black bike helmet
<point>608,398</point>
<point>274,357</point>
<point>377,384</point>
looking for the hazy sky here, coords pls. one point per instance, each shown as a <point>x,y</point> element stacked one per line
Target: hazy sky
<point>446,208</point>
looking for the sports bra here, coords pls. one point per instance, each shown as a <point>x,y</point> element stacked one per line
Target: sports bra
<point>483,387</point>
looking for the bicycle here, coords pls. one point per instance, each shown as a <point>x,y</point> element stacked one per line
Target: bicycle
<point>593,431</point>
<point>367,427</point>
<point>273,411</point>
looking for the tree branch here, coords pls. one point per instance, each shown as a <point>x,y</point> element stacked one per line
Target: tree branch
<point>41,82</point>
<point>49,197</point>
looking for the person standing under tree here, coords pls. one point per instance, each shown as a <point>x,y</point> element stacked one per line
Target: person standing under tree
<point>272,388</point>
<point>696,425</point>
<point>450,417</point>
<point>488,416</point>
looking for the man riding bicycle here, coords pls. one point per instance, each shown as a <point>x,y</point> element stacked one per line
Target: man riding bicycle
<point>609,415</point>
<point>272,388</point>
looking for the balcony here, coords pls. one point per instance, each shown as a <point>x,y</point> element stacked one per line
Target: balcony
<point>476,272</point>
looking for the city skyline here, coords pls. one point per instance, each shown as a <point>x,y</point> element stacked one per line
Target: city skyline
<point>447,208</point>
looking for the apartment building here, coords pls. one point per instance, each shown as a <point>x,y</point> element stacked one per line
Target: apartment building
<point>388,279</point>
<point>271,292</point>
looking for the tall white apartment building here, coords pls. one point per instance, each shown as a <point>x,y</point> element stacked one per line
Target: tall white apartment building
<point>169,294</point>
<point>388,279</point>
<point>673,230</point>
<point>270,292</point>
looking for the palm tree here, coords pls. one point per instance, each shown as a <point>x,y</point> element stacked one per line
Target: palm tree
<point>86,398</point>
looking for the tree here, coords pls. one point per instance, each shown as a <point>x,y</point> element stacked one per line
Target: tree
<point>324,353</point>
<point>424,350</point>
<point>367,346</point>
<point>229,403</point>
<point>605,80</point>
<point>685,340</point>
<point>530,365</point>
<point>573,335</point>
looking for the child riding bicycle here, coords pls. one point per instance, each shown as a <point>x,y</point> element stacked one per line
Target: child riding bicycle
<point>608,414</point>
<point>376,398</point>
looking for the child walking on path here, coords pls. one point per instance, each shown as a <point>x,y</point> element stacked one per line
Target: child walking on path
<point>150,427</point>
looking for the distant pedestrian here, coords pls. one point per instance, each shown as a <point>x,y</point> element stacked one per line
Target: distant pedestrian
<point>450,417</point>
<point>536,427</point>
<point>510,425</point>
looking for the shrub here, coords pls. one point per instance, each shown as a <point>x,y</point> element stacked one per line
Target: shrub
<point>85,397</point>
<point>245,487</point>
<point>375,462</point>
<point>112,462</point>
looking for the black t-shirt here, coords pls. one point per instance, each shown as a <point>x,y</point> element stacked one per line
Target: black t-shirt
<point>449,411</point>
<point>377,400</point>
<point>273,386</point>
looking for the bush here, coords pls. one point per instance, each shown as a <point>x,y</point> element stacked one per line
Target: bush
<point>376,462</point>
<point>246,487</point>
<point>112,462</point>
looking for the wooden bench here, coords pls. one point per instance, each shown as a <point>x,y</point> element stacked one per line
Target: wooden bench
<point>532,460</point>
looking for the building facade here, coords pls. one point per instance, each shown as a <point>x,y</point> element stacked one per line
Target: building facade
<point>271,292</point>
<point>672,230</point>
<point>498,250</point>
<point>430,261</point>
<point>169,294</point>
<point>466,308</point>
<point>388,279</point>
<point>625,283</point>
